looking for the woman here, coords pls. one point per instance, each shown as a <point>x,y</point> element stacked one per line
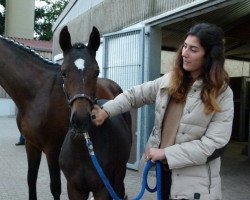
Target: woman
<point>193,116</point>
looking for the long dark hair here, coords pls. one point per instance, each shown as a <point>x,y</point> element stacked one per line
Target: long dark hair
<point>215,78</point>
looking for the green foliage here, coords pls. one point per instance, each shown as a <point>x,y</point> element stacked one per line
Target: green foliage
<point>46,16</point>
<point>3,2</point>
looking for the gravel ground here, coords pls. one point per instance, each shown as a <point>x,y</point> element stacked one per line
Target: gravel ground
<point>13,171</point>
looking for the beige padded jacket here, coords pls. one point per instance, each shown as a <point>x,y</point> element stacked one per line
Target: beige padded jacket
<point>198,136</point>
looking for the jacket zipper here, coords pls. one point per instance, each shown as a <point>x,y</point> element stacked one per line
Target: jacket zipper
<point>209,177</point>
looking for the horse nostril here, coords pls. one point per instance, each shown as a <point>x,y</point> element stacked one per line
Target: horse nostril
<point>73,119</point>
<point>80,122</point>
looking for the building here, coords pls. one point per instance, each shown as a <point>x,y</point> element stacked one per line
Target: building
<point>140,36</point>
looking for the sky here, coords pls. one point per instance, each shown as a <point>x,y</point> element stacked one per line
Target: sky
<point>1,9</point>
<point>39,3</point>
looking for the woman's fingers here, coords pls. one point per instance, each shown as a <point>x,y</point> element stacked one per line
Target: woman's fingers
<point>155,154</point>
<point>98,115</point>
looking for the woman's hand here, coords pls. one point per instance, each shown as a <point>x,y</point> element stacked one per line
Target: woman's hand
<point>155,154</point>
<point>98,115</point>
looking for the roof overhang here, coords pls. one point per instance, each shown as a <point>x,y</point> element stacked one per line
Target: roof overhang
<point>231,15</point>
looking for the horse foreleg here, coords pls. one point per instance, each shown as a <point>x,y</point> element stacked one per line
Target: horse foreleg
<point>102,194</point>
<point>119,186</point>
<point>55,175</point>
<point>116,181</point>
<point>75,194</point>
<point>34,158</point>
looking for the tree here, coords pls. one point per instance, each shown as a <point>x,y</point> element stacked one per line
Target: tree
<point>45,16</point>
<point>2,18</point>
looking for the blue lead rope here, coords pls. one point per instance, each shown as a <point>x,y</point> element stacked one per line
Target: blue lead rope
<point>144,178</point>
<point>145,183</point>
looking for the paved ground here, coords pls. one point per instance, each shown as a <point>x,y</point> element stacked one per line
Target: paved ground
<point>13,170</point>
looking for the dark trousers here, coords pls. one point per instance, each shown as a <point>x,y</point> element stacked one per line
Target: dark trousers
<point>21,139</point>
<point>166,182</point>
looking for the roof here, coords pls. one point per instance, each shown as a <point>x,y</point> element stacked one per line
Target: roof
<point>233,19</point>
<point>39,45</point>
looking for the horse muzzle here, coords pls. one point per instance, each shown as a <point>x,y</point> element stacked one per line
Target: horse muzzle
<point>80,123</point>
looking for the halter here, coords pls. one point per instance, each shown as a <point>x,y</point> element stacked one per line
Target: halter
<point>79,96</point>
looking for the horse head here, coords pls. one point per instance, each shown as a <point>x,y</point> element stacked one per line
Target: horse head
<point>80,71</point>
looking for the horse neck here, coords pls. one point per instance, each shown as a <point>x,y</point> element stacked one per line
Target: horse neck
<point>22,73</point>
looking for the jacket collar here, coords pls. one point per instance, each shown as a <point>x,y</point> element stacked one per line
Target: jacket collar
<point>198,83</point>
<point>167,77</point>
<point>165,81</point>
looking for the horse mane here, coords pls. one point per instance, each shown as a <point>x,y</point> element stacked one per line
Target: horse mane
<point>29,50</point>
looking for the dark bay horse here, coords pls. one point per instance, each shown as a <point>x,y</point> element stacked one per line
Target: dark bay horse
<point>111,142</point>
<point>35,85</point>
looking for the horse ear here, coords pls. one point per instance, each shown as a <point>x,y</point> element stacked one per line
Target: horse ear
<point>94,39</point>
<point>65,40</point>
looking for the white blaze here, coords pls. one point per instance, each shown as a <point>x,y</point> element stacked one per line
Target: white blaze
<point>79,63</point>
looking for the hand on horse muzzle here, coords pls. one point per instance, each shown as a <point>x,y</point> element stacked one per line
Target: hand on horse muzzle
<point>98,115</point>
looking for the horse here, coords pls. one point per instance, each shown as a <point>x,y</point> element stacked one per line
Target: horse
<point>35,85</point>
<point>111,142</point>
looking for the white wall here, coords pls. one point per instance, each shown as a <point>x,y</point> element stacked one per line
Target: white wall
<point>237,68</point>
<point>7,107</point>
<point>233,67</point>
<point>167,61</point>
